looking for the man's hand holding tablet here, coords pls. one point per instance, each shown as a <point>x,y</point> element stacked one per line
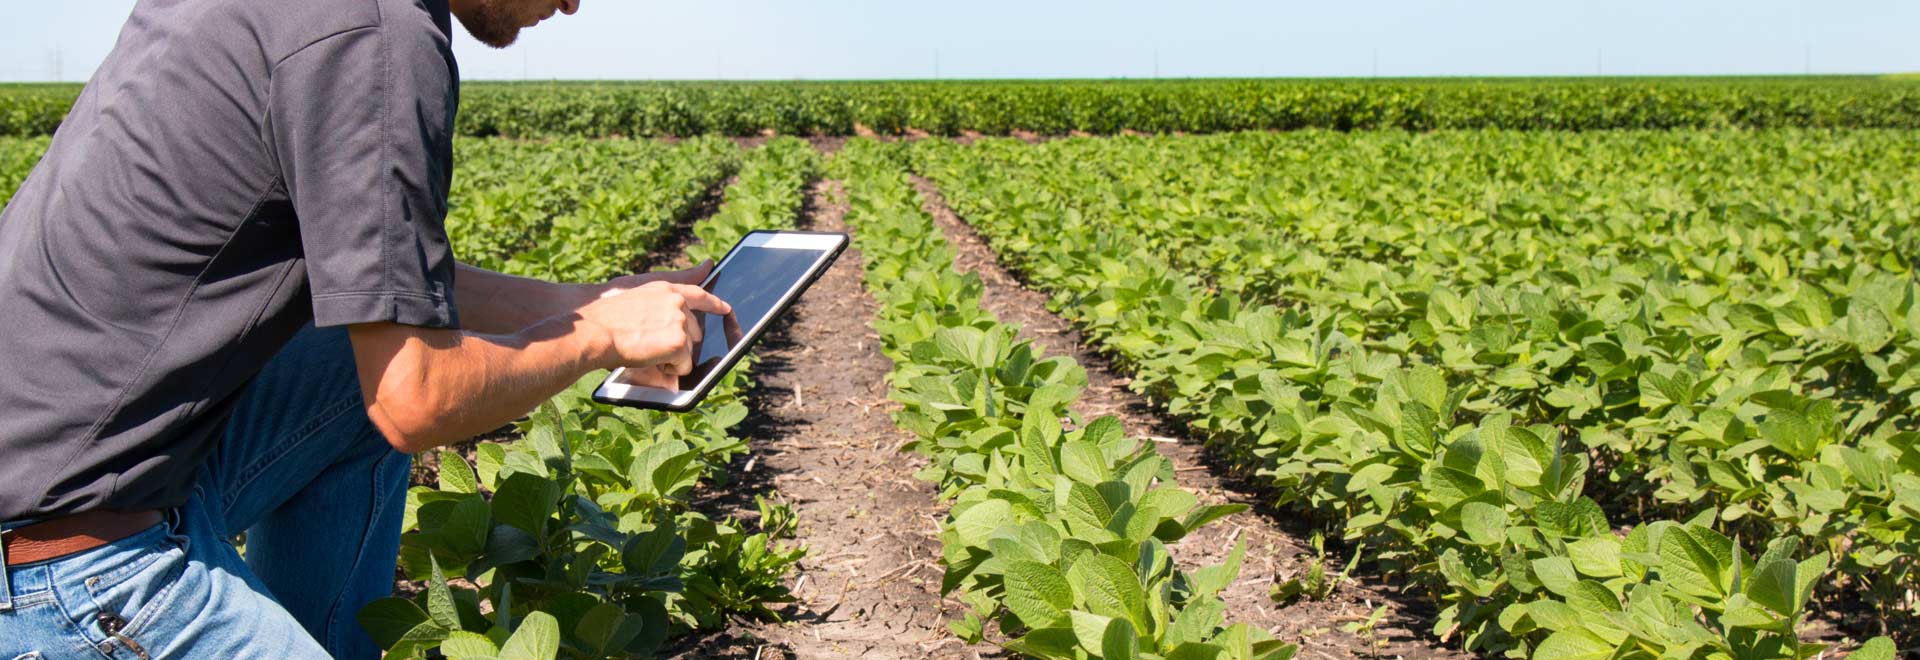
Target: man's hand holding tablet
<point>652,329</point>
<point>672,368</point>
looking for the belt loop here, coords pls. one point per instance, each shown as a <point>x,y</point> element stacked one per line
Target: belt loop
<point>6,586</point>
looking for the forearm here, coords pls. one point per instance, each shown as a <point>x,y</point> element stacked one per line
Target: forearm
<point>444,386</point>
<point>524,341</point>
<point>500,304</point>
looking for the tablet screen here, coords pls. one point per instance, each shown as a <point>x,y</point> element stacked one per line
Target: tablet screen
<point>758,277</point>
<point>754,280</point>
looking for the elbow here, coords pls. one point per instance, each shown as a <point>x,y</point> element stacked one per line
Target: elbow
<point>412,411</point>
<point>396,433</point>
<point>407,421</point>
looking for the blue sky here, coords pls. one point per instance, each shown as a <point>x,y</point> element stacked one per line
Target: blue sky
<point>768,39</point>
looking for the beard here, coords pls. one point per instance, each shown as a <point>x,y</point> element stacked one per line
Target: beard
<point>491,22</point>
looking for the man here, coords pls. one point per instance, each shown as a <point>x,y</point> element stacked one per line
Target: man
<point>229,300</point>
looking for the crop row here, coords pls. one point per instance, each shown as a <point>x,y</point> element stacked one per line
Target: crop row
<point>508,194</point>
<point>1441,356</point>
<point>1109,107</point>
<point>17,156</point>
<point>1056,535</point>
<point>579,535</point>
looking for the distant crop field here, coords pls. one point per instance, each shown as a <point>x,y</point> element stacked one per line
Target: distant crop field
<point>952,108</point>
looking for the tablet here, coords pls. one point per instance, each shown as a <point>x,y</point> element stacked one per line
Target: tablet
<point>760,277</point>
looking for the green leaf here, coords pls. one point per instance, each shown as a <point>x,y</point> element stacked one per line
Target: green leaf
<point>1211,580</point>
<point>455,475</point>
<point>424,636</point>
<point>1581,519</point>
<point>1741,612</point>
<point>1554,615</point>
<point>488,458</point>
<point>465,530</point>
<point>655,552</point>
<point>1878,648</point>
<point>1029,541</point>
<point>1108,587</point>
<point>1037,593</point>
<point>506,544</point>
<point>1045,643</point>
<point>1557,575</point>
<point>958,344</point>
<point>1084,508</point>
<point>537,639</point>
<point>1199,517</point>
<point>526,502</point>
<point>440,605</point>
<point>1090,629</point>
<point>1772,585</point>
<point>1083,462</point>
<point>607,628</point>
<point>1593,598</point>
<point>1170,500</point>
<point>1119,641</point>
<point>1195,651</point>
<point>1274,649</point>
<point>1040,430</point>
<point>1689,566</point>
<point>1806,574</point>
<point>660,468</point>
<point>977,523</point>
<point>1790,432</point>
<point>461,645</point>
<point>1574,645</point>
<point>1197,621</point>
<point>1485,523</point>
<point>1104,431</point>
<point>1598,556</point>
<point>388,619</point>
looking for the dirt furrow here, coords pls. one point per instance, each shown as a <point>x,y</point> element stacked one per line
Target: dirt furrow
<point>823,442</point>
<point>1274,553</point>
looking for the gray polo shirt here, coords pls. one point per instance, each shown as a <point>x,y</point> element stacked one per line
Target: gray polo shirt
<point>234,170</point>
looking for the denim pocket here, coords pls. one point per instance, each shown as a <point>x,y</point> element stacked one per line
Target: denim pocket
<point>115,562</point>
<point>134,590</point>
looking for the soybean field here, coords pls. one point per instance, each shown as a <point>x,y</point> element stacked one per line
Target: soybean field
<point>1208,369</point>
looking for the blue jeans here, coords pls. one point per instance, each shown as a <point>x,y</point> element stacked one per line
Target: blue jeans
<point>319,494</point>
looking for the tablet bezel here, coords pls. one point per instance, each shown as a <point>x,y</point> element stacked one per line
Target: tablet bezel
<point>829,245</point>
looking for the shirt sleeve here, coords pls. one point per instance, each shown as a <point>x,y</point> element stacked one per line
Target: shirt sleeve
<point>360,124</point>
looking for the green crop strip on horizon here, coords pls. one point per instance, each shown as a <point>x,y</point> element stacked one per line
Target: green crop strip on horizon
<point>1107,107</point>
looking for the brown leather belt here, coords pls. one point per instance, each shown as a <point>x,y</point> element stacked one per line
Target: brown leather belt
<point>80,532</point>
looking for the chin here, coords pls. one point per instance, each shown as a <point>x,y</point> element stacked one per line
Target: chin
<point>498,37</point>
<point>491,28</point>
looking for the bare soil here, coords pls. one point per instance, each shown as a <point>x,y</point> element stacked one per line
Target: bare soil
<point>823,441</point>
<point>1275,552</point>
<point>828,144</point>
